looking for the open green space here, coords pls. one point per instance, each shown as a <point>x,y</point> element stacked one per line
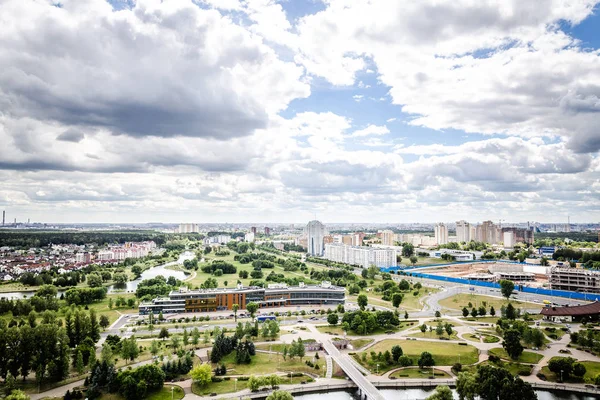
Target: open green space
<point>417,373</point>
<point>527,357</point>
<point>474,337</point>
<point>513,367</point>
<point>443,353</point>
<point>264,363</point>
<point>433,335</point>
<point>458,301</point>
<point>359,343</point>
<point>338,331</point>
<point>592,368</point>
<point>231,386</point>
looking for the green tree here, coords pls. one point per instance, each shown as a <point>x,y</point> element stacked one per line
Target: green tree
<point>154,347</point>
<point>396,299</point>
<point>17,395</point>
<point>439,329</point>
<point>438,314</point>
<point>396,353</point>
<point>175,343</point>
<point>441,393</point>
<point>506,288</point>
<point>465,312</point>
<point>426,360</point>
<point>362,301</point>
<point>474,312</point>
<point>201,374</point>
<point>235,309</point>
<point>448,328</point>
<point>186,338</point>
<point>510,312</point>
<point>512,343</point>
<point>79,366</point>
<point>129,349</point>
<point>332,319</point>
<point>104,322</point>
<point>164,333</point>
<point>467,385</point>
<point>492,311</point>
<point>252,307</point>
<point>280,395</point>
<point>423,328</point>
<point>413,260</point>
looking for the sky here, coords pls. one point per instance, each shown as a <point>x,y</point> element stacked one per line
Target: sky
<point>383,111</point>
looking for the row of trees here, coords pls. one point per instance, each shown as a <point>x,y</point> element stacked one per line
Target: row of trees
<point>490,382</point>
<point>131,384</point>
<point>365,322</point>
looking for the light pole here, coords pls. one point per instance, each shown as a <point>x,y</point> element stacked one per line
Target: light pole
<point>172,388</point>
<point>377,370</point>
<point>235,384</point>
<point>561,372</point>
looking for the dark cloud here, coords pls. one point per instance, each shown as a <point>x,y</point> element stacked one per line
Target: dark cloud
<point>71,135</point>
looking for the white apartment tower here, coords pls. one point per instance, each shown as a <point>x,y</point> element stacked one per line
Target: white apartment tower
<point>315,231</point>
<point>463,231</point>
<point>441,233</point>
<point>387,237</point>
<point>188,228</point>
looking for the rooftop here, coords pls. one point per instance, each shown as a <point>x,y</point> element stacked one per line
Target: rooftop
<point>586,309</point>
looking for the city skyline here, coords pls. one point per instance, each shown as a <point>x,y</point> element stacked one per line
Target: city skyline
<point>119,111</point>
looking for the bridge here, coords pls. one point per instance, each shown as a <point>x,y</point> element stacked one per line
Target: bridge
<point>366,389</point>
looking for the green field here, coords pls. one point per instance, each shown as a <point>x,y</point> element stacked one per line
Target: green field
<point>230,386</point>
<point>263,363</point>
<point>512,367</point>
<point>527,357</point>
<point>458,301</point>
<point>592,368</point>
<point>358,343</point>
<point>416,373</point>
<point>433,335</point>
<point>475,338</point>
<point>443,353</point>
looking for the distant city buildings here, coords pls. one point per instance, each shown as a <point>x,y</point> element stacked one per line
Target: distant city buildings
<point>267,231</point>
<point>249,237</point>
<point>188,228</point>
<point>440,233</point>
<point>463,231</point>
<point>127,250</point>
<point>360,255</point>
<point>315,233</point>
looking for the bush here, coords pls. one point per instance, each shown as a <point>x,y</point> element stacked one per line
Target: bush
<point>456,368</point>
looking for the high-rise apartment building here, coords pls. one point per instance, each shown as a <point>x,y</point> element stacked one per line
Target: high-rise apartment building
<point>361,255</point>
<point>488,232</point>
<point>188,228</point>
<point>315,232</point>
<point>441,233</point>
<point>253,230</point>
<point>463,231</point>
<point>387,237</point>
<point>267,231</point>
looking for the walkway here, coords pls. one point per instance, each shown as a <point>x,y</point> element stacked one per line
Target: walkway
<point>366,387</point>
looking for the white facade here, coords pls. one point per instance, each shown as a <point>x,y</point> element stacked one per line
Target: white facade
<point>463,231</point>
<point>188,228</point>
<point>441,233</point>
<point>360,255</point>
<point>315,231</point>
<point>249,237</point>
<point>509,240</point>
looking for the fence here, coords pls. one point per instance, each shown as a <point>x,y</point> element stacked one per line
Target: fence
<point>524,289</point>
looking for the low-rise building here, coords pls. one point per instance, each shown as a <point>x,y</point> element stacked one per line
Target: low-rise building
<point>275,295</point>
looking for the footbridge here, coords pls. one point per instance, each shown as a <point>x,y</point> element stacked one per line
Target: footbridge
<point>366,389</point>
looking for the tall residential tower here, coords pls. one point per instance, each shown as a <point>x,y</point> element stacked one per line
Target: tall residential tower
<point>315,231</point>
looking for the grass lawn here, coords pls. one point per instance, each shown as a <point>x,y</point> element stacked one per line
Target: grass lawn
<point>592,368</point>
<point>527,357</point>
<point>513,367</point>
<point>338,331</point>
<point>230,386</point>
<point>359,343</point>
<point>417,373</point>
<point>263,363</point>
<point>433,335</point>
<point>458,301</point>
<point>165,393</point>
<point>443,353</point>
<point>475,338</point>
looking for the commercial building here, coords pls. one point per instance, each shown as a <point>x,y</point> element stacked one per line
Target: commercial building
<point>388,238</point>
<point>275,295</point>
<point>575,279</point>
<point>441,233</point>
<point>586,312</point>
<point>458,255</point>
<point>188,228</point>
<point>361,255</point>
<point>315,231</point>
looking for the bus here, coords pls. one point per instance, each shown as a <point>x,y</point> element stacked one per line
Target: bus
<point>263,318</point>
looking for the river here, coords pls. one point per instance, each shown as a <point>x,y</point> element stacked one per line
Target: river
<point>131,285</point>
<point>419,394</point>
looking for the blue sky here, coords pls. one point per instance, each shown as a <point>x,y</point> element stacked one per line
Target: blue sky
<point>272,111</point>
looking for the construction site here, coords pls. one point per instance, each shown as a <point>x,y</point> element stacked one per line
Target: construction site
<point>530,275</point>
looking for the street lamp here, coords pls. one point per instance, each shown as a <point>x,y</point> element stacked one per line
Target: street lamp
<point>377,371</point>
<point>235,384</point>
<point>172,388</point>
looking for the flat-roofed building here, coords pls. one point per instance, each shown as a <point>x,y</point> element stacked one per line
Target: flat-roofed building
<point>574,279</point>
<point>275,295</point>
